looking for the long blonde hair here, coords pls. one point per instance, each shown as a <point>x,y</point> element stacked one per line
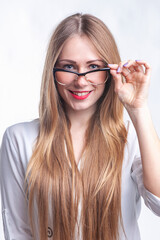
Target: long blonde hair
<point>55,182</point>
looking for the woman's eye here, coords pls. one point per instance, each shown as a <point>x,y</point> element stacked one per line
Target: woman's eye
<point>68,66</point>
<point>94,66</point>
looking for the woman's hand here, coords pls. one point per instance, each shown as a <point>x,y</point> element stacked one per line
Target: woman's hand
<point>132,89</point>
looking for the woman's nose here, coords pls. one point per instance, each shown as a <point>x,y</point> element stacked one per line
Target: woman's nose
<point>81,81</point>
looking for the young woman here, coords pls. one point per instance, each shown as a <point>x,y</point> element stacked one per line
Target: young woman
<point>77,172</point>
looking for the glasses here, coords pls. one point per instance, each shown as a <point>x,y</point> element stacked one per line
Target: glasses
<point>94,77</point>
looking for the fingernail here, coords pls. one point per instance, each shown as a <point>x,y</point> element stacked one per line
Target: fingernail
<point>118,70</point>
<point>125,64</point>
<point>110,65</point>
<point>138,60</point>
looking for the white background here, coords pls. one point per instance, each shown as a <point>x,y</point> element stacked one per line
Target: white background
<point>25,29</point>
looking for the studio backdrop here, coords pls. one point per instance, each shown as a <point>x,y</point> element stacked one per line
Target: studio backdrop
<point>25,29</point>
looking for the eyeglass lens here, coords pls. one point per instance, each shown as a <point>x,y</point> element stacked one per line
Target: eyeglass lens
<point>96,78</point>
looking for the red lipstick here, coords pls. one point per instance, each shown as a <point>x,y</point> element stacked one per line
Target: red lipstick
<point>80,95</point>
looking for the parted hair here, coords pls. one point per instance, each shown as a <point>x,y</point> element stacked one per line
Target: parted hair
<point>55,184</point>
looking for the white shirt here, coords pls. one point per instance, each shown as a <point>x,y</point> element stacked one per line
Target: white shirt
<point>16,150</point>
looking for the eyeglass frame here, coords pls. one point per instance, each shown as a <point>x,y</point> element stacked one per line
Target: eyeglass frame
<point>80,74</point>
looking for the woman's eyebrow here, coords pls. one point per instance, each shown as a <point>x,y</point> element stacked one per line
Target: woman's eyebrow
<point>66,60</point>
<point>71,61</point>
<point>95,60</point>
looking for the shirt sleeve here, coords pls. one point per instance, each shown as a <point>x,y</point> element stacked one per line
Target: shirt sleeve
<point>14,203</point>
<point>151,201</point>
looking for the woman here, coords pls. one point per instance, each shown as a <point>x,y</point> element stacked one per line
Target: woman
<point>80,161</point>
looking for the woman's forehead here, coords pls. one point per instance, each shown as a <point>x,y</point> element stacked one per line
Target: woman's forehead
<point>79,48</point>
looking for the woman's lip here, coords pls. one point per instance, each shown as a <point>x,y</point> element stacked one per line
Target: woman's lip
<point>80,91</point>
<point>80,95</point>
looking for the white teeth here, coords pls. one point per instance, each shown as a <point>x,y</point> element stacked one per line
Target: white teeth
<point>80,94</point>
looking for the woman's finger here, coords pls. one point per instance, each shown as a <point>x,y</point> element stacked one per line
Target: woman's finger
<point>112,66</point>
<point>146,65</point>
<point>133,66</point>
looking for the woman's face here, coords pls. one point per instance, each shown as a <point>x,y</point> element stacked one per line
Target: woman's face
<point>79,55</point>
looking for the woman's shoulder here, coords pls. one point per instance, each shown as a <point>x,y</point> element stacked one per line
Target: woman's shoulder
<point>24,130</point>
<point>17,144</point>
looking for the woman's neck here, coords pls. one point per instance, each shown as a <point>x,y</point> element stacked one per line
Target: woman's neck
<point>79,119</point>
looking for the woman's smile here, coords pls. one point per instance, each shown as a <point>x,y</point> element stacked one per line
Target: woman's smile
<point>80,95</point>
